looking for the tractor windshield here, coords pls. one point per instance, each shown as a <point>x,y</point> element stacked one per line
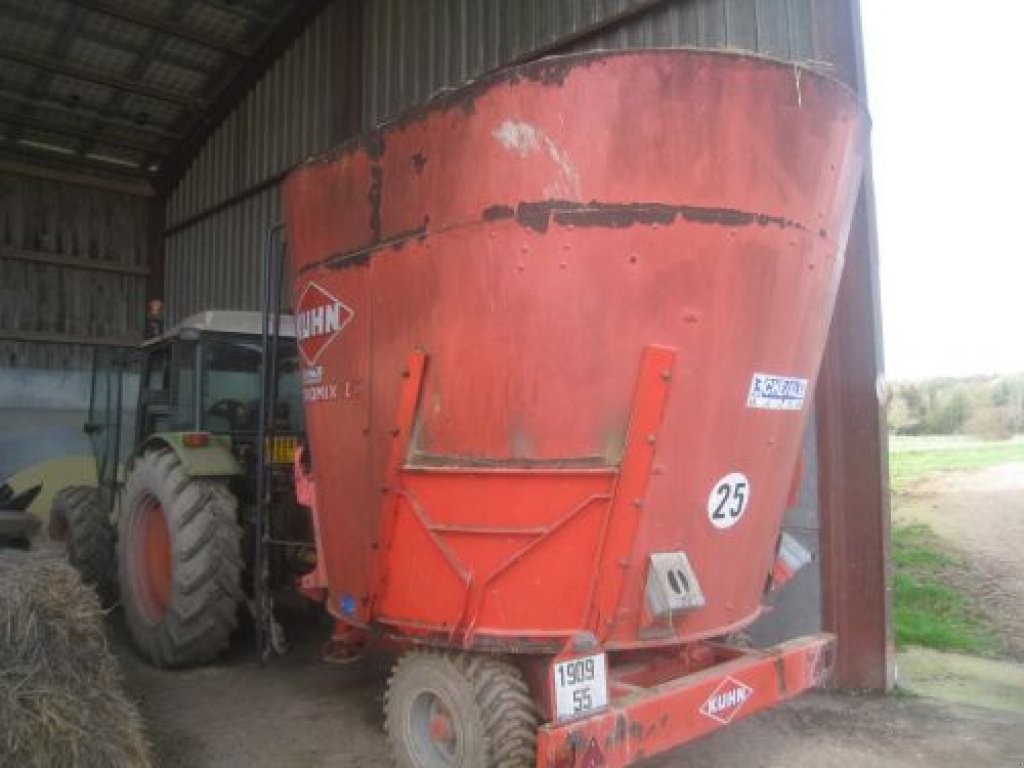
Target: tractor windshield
<point>231,387</point>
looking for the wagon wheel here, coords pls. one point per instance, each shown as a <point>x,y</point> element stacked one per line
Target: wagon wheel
<point>459,710</point>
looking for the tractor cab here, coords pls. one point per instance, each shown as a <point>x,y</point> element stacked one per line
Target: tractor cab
<point>202,383</point>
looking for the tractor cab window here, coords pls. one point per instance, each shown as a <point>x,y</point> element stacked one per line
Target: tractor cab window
<point>289,391</point>
<point>184,383</point>
<point>158,373</point>
<point>155,393</point>
<point>231,387</point>
<point>167,396</point>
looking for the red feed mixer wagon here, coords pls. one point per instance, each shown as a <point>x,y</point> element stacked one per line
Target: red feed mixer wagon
<point>559,330</point>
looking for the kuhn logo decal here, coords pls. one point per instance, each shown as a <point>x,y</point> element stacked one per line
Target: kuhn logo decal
<point>319,317</point>
<point>726,700</point>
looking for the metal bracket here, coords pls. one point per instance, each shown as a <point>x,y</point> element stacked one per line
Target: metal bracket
<point>672,585</point>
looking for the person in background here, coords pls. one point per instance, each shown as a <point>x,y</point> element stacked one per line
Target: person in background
<point>154,318</point>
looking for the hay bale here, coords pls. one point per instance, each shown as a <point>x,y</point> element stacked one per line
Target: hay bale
<point>61,700</point>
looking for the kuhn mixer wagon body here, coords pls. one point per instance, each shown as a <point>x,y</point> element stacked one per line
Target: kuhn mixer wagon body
<point>559,330</point>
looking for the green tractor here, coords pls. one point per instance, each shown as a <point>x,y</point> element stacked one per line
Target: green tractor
<point>198,520</point>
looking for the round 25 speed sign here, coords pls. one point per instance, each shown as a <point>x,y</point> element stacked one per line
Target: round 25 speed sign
<point>728,500</point>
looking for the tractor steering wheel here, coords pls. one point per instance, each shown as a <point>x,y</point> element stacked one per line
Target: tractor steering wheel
<point>232,411</point>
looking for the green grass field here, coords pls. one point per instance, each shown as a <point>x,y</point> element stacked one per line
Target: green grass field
<point>927,610</point>
<point>928,607</point>
<point>911,458</point>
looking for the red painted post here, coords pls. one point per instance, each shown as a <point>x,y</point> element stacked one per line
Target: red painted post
<point>852,441</point>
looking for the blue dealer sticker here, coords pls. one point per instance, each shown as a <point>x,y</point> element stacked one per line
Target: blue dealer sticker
<point>776,393</point>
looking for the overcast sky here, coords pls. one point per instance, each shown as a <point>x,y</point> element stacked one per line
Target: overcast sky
<point>946,91</point>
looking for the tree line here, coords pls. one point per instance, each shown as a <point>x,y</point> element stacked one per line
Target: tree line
<point>988,407</point>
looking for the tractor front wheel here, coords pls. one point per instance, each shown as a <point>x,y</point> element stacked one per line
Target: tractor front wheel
<point>179,562</point>
<point>79,521</point>
<point>459,710</point>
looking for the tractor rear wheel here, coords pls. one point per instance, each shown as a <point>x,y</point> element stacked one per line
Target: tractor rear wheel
<point>459,710</point>
<point>179,562</point>
<point>77,519</point>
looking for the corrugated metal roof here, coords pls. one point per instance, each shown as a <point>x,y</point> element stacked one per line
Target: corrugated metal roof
<point>94,81</point>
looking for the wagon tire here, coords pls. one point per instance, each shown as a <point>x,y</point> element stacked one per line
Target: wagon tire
<point>79,522</point>
<point>179,562</point>
<point>459,710</point>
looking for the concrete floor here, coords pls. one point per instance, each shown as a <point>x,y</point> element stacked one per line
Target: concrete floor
<point>300,712</point>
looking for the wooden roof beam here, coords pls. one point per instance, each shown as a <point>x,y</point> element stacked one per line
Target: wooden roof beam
<point>26,121</point>
<point>118,119</point>
<point>30,16</point>
<point>166,26</point>
<point>188,101</point>
<point>26,164</point>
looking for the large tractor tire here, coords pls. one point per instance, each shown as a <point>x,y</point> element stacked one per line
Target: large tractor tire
<point>459,710</point>
<point>179,562</point>
<point>79,521</point>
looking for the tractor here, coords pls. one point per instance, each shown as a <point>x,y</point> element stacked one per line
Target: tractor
<point>212,438</point>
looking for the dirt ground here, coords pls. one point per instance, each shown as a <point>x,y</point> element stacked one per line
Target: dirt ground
<point>301,713</point>
<point>981,514</point>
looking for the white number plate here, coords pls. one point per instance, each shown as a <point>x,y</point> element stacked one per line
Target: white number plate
<point>581,686</point>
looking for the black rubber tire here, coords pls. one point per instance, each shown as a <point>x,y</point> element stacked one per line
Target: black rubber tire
<point>205,569</point>
<point>486,696</point>
<point>78,520</point>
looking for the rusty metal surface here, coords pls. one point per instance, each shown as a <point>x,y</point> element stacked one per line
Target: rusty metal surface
<point>657,704</point>
<point>532,235</point>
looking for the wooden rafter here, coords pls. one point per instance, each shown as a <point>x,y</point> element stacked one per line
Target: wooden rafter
<point>27,14</point>
<point>102,116</point>
<point>63,129</point>
<point>116,82</point>
<point>22,153</point>
<point>156,46</point>
<point>71,262</point>
<point>164,25</point>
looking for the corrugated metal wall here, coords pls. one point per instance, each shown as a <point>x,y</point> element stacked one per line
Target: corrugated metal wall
<point>215,262</point>
<point>212,262</point>
<point>413,48</point>
<point>94,284</point>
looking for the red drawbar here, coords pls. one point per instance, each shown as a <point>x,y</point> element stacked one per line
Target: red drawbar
<point>660,701</point>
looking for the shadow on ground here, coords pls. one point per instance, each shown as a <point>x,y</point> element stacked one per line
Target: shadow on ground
<point>299,712</point>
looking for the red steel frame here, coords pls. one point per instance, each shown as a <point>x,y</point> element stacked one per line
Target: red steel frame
<point>659,698</point>
<point>617,492</point>
<point>662,700</point>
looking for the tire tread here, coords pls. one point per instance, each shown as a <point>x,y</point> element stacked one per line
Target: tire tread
<point>206,577</point>
<point>90,538</point>
<point>506,710</point>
